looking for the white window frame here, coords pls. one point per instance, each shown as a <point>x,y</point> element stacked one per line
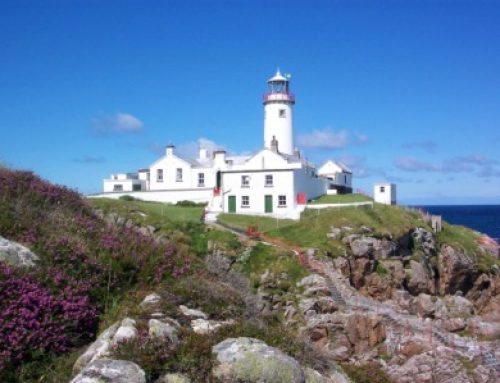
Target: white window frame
<point>245,181</point>
<point>178,175</point>
<point>245,201</point>
<point>201,179</point>
<point>266,183</point>
<point>282,201</point>
<point>159,175</point>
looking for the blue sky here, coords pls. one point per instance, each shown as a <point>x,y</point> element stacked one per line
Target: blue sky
<point>401,91</point>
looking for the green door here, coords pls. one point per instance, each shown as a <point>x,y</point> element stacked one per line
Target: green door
<point>231,203</point>
<point>268,203</point>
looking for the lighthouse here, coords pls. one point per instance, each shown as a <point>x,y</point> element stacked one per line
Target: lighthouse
<point>278,119</point>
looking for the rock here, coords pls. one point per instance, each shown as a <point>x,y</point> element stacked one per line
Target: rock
<point>456,270</point>
<point>402,299</point>
<point>98,349</point>
<point>125,332</point>
<point>364,331</point>
<point>423,240</point>
<point>453,325</point>
<point>16,254</point>
<point>363,246</point>
<point>250,360</point>
<point>192,312</point>
<point>359,269</point>
<point>313,376</point>
<point>484,329</point>
<point>335,233</point>
<point>458,307</point>
<point>425,306</point>
<point>111,371</point>
<point>377,287</point>
<point>161,329</point>
<point>315,285</point>
<point>173,378</point>
<point>485,294</point>
<point>419,279</point>
<point>413,347</point>
<point>150,300</point>
<point>203,326</point>
<point>342,264</point>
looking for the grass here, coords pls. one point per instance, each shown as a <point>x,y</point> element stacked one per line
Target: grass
<point>263,257</point>
<point>241,222</point>
<point>341,198</point>
<point>156,212</point>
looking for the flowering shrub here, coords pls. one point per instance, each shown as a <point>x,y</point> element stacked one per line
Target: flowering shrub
<point>84,264</point>
<point>37,319</point>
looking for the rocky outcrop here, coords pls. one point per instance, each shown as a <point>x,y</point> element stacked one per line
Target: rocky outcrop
<point>16,254</point>
<point>418,279</point>
<point>485,293</point>
<point>111,371</point>
<point>457,272</point>
<point>370,247</point>
<point>423,240</point>
<point>173,378</point>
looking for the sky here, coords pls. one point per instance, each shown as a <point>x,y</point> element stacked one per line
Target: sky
<point>400,91</point>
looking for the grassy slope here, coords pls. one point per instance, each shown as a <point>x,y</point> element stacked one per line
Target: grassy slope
<point>341,198</point>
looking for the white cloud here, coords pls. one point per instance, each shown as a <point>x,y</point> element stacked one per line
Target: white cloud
<point>190,149</point>
<point>117,123</point>
<point>324,139</point>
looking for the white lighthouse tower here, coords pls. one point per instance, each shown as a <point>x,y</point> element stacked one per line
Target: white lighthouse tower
<point>278,122</point>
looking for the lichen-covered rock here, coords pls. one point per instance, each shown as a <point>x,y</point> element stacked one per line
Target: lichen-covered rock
<point>163,329</point>
<point>99,349</point>
<point>125,332</point>
<point>151,300</point>
<point>16,254</point>
<point>251,360</point>
<point>192,313</point>
<point>204,326</point>
<point>173,378</point>
<point>111,371</point>
<point>425,305</point>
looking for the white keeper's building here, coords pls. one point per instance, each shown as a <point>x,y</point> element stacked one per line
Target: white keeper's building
<point>275,181</point>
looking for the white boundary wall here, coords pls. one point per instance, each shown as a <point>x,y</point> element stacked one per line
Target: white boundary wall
<point>198,195</point>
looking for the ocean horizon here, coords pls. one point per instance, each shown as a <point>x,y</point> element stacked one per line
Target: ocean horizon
<point>483,218</point>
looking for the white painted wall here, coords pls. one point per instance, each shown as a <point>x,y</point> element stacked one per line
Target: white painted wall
<point>305,182</point>
<point>282,185</point>
<point>280,127</point>
<point>385,193</point>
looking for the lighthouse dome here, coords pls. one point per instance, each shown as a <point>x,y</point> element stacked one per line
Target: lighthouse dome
<point>277,77</point>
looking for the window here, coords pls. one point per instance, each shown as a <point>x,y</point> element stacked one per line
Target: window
<point>136,187</point>
<point>245,201</point>
<point>178,175</point>
<point>345,179</point>
<point>382,189</point>
<point>118,187</point>
<point>159,175</point>
<point>282,201</point>
<point>269,180</point>
<point>245,181</point>
<point>282,113</point>
<point>201,179</point>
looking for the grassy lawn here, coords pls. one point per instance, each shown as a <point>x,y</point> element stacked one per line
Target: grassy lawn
<point>149,212</point>
<point>240,222</point>
<point>341,198</point>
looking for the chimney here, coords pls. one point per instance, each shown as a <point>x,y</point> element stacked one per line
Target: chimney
<point>170,150</point>
<point>203,154</point>
<point>296,152</point>
<point>220,157</point>
<point>274,145</point>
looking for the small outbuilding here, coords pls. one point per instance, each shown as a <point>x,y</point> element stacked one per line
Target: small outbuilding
<point>385,193</point>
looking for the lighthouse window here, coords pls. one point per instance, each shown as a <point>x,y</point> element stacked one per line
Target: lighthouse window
<point>282,113</point>
<point>382,189</point>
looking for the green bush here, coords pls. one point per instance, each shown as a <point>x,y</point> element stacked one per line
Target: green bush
<point>366,373</point>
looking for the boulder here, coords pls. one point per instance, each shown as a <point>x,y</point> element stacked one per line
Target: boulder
<point>481,328</point>
<point>313,376</point>
<point>360,267</point>
<point>162,329</point>
<point>363,246</point>
<point>458,307</point>
<point>425,306</point>
<point>364,331</point>
<point>99,349</point>
<point>423,240</point>
<point>456,270</point>
<point>204,326</point>
<point>125,332</point>
<point>453,324</point>
<point>485,294</point>
<point>251,360</point>
<point>150,301</point>
<point>111,371</point>
<point>419,279</point>
<point>16,254</point>
<point>173,378</point>
<point>192,313</point>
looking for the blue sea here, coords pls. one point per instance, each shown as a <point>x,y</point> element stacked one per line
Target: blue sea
<point>483,218</point>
